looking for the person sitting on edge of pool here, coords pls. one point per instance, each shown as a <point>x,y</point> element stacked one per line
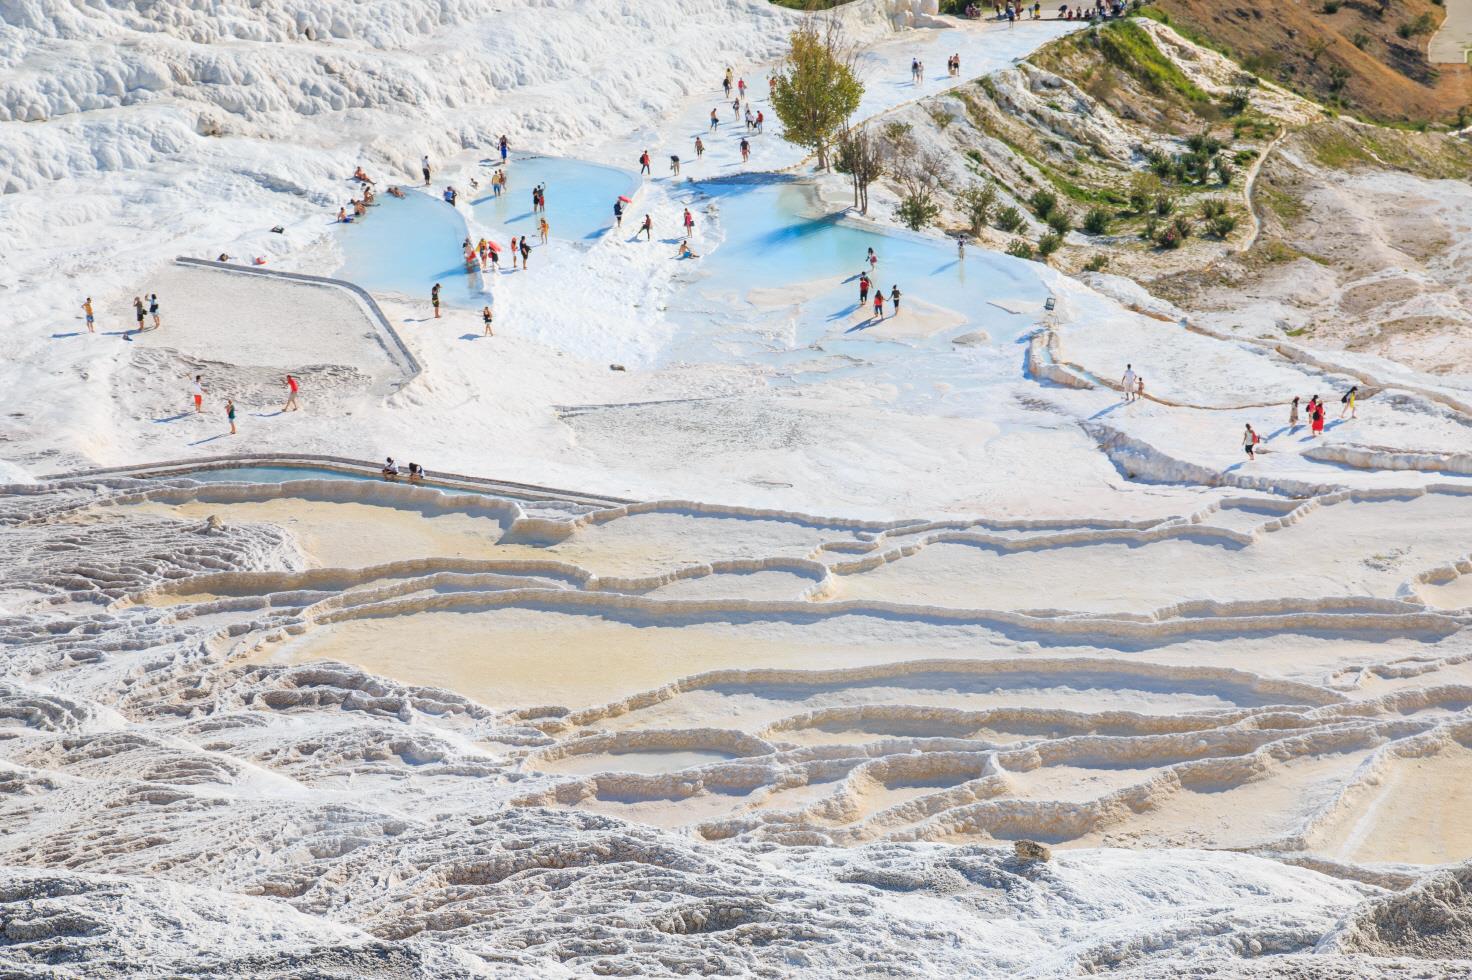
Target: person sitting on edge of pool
<point>416,473</point>
<point>390,469</point>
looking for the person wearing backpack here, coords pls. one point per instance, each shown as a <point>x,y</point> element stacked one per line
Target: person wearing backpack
<point>1249,442</point>
<point>1348,402</point>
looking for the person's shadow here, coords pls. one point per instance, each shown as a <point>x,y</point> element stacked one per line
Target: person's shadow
<point>470,336</point>
<point>201,442</point>
<point>174,418</point>
<point>74,333</point>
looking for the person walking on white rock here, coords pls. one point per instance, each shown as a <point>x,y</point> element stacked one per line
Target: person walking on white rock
<point>87,309</point>
<point>486,317</point>
<point>1293,416</point>
<point>644,163</point>
<point>1250,440</point>
<point>505,147</point>
<point>198,392</point>
<point>647,228</point>
<point>230,413</point>
<point>894,299</point>
<point>139,312</point>
<point>424,168</point>
<point>291,390</point>
<point>872,259</point>
<point>1348,402</point>
<point>715,121</point>
<point>1128,382</point>
<point>434,300</point>
<point>699,148</point>
<point>689,222</point>
<point>153,310</point>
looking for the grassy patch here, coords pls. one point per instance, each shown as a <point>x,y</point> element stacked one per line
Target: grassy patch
<point>1287,207</point>
<point>1129,48</point>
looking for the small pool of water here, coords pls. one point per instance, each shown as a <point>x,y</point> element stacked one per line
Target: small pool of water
<point>774,239</point>
<point>283,474</point>
<point>648,762</point>
<point>579,197</point>
<point>406,245</point>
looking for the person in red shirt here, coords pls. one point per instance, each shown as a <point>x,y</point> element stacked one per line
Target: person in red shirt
<point>291,389</point>
<point>879,304</point>
<point>644,162</point>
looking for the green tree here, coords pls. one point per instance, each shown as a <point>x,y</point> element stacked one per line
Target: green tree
<point>815,90</point>
<point>976,202</point>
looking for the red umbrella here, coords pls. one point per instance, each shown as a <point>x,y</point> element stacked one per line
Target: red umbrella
<point>626,200</point>
<point>493,247</point>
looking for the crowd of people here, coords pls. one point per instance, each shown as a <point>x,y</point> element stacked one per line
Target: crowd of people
<point>1014,10</point>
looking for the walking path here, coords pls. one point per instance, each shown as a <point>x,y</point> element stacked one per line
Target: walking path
<point>1449,45</point>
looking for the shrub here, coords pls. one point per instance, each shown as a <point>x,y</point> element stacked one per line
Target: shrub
<point>1237,101</point>
<point>917,211</point>
<point>1151,226</point>
<point>1223,171</point>
<point>1360,40</point>
<point>977,201</point>
<point>1059,222</point>
<point>1212,207</point>
<point>1164,205</point>
<point>1331,6</point>
<point>1049,244</point>
<point>1009,219</point>
<point>1096,222</point>
<point>1182,226</point>
<point>1222,225</point>
<point>1043,203</point>
<point>1019,248</point>
<point>1096,263</point>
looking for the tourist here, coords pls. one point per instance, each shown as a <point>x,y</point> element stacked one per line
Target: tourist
<point>424,166</point>
<point>879,304</point>
<point>515,252</point>
<point>390,469</point>
<point>647,228</point>
<point>750,119</point>
<point>873,259</point>
<point>618,214</point>
<point>1317,426</point>
<point>153,312</point>
<point>139,312</point>
<point>495,254</point>
<point>741,87</point>
<point>505,147</point>
<point>715,121</point>
<point>759,120</point>
<point>230,413</point>
<point>1348,402</point>
<point>863,289</point>
<point>1293,416</point>
<point>359,175</point>
<point>434,299</point>
<point>914,71</point>
<point>526,254</point>
<point>745,149</point>
<point>485,316</point>
<point>1128,382</point>
<point>644,162</point>
<point>675,164</point>
<point>684,251</point>
<point>395,191</point>
<point>689,222</point>
<point>87,309</point>
<point>1249,442</point>
<point>416,473</point>
<point>544,228</point>
<point>699,148</point>
<point>342,215</point>
<point>735,110</point>
<point>894,299</point>
<point>291,390</point>
<point>726,83</point>
<point>198,392</point>
<point>1139,387</point>
<point>960,248</point>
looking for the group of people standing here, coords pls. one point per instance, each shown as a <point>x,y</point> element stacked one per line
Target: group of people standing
<point>197,393</point>
<point>866,283</point>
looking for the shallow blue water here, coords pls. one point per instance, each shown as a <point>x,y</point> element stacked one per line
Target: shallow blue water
<point>283,474</point>
<point>580,198</point>
<point>771,242</point>
<point>406,246</point>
